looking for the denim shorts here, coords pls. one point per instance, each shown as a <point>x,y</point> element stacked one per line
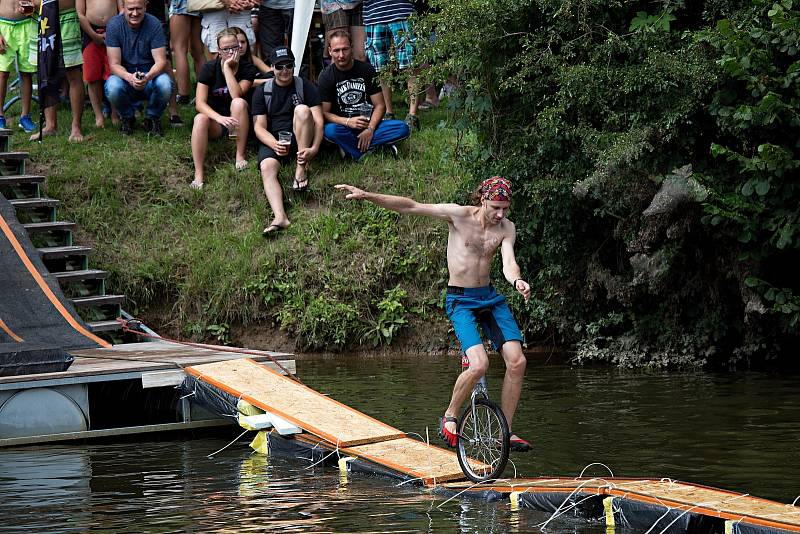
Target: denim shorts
<point>178,7</point>
<point>468,307</point>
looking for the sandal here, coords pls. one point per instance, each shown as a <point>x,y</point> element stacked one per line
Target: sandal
<point>519,445</point>
<point>300,186</point>
<point>448,437</point>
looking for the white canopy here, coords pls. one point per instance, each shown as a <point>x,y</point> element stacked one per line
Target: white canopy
<point>303,11</point>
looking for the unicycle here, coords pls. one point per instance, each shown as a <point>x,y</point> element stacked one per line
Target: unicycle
<point>483,435</point>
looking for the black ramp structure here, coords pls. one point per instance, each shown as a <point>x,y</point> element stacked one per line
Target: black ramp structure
<point>38,326</point>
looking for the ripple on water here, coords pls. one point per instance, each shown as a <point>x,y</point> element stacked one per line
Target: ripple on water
<point>737,433</point>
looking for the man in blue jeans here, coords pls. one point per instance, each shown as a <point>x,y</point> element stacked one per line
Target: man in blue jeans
<point>344,87</point>
<point>137,55</point>
<point>476,232</point>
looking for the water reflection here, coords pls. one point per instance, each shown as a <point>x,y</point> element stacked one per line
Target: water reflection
<point>735,432</point>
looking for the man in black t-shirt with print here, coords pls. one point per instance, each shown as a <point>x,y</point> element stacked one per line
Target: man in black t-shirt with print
<point>287,121</point>
<point>345,86</point>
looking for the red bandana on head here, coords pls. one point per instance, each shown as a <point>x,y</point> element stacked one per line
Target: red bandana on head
<point>496,188</point>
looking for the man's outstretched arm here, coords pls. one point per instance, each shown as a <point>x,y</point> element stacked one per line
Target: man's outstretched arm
<point>405,205</point>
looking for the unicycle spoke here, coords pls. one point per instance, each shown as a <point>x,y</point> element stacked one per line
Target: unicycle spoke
<point>483,438</point>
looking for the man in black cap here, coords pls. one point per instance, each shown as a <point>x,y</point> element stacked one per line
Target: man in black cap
<point>287,121</point>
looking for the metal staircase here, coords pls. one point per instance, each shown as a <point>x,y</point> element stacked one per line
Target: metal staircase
<point>69,263</point>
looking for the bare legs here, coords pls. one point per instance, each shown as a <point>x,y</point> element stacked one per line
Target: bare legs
<point>3,89</point>
<point>478,364</point>
<point>303,125</point>
<point>273,191</point>
<point>76,95</point>
<point>26,92</point>
<point>204,127</point>
<point>413,104</point>
<point>358,37</point>
<point>239,112</point>
<point>96,99</point>
<point>185,38</point>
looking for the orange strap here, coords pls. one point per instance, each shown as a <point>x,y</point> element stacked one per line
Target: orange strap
<point>45,288</point>
<point>8,331</point>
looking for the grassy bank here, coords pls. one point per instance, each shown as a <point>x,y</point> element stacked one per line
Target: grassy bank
<point>195,264</point>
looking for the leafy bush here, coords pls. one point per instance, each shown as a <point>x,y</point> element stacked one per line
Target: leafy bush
<point>653,147</point>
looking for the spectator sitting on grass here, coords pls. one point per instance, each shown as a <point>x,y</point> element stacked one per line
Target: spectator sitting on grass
<point>288,121</point>
<point>221,107</point>
<point>345,87</point>
<point>137,56</point>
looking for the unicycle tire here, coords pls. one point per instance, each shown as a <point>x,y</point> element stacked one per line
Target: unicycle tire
<point>483,435</point>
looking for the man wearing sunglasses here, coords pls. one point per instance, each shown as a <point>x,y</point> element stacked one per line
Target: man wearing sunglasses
<point>287,122</point>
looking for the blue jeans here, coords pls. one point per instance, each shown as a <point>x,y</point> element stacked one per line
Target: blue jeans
<point>156,93</point>
<point>387,132</point>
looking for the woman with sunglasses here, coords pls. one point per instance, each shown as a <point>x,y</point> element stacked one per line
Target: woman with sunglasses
<point>220,101</point>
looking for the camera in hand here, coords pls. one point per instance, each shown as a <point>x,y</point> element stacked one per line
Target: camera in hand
<point>26,6</point>
<point>139,75</point>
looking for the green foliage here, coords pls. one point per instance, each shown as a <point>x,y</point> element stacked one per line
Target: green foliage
<point>221,332</point>
<point>391,318</point>
<point>654,150</point>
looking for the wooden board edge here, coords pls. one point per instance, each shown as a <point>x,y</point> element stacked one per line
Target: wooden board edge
<point>715,512</point>
<point>264,406</point>
<point>318,394</point>
<point>425,477</point>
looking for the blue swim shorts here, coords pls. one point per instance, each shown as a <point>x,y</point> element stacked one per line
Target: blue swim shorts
<point>469,306</point>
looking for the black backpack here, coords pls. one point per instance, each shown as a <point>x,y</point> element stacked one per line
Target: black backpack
<point>298,90</point>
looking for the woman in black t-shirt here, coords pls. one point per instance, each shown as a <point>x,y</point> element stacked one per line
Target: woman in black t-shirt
<point>221,107</point>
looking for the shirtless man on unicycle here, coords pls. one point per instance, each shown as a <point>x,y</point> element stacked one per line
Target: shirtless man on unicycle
<point>476,232</point>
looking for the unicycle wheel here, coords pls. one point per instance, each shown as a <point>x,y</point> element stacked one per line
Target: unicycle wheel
<point>483,441</point>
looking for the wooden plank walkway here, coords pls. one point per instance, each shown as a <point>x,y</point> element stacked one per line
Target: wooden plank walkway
<point>322,416</point>
<point>337,427</point>
<point>410,457</point>
<point>676,495</point>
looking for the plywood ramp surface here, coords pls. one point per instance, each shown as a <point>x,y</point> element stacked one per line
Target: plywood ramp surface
<point>313,412</point>
<point>678,495</point>
<point>414,458</point>
<point>714,501</point>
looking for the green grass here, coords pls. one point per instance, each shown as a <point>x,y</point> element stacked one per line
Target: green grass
<point>197,259</point>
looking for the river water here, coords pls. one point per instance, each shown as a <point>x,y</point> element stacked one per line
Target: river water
<point>738,432</point>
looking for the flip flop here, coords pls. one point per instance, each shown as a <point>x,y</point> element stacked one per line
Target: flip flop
<point>241,165</point>
<point>519,445</point>
<point>272,230</point>
<point>297,188</point>
<point>449,438</point>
